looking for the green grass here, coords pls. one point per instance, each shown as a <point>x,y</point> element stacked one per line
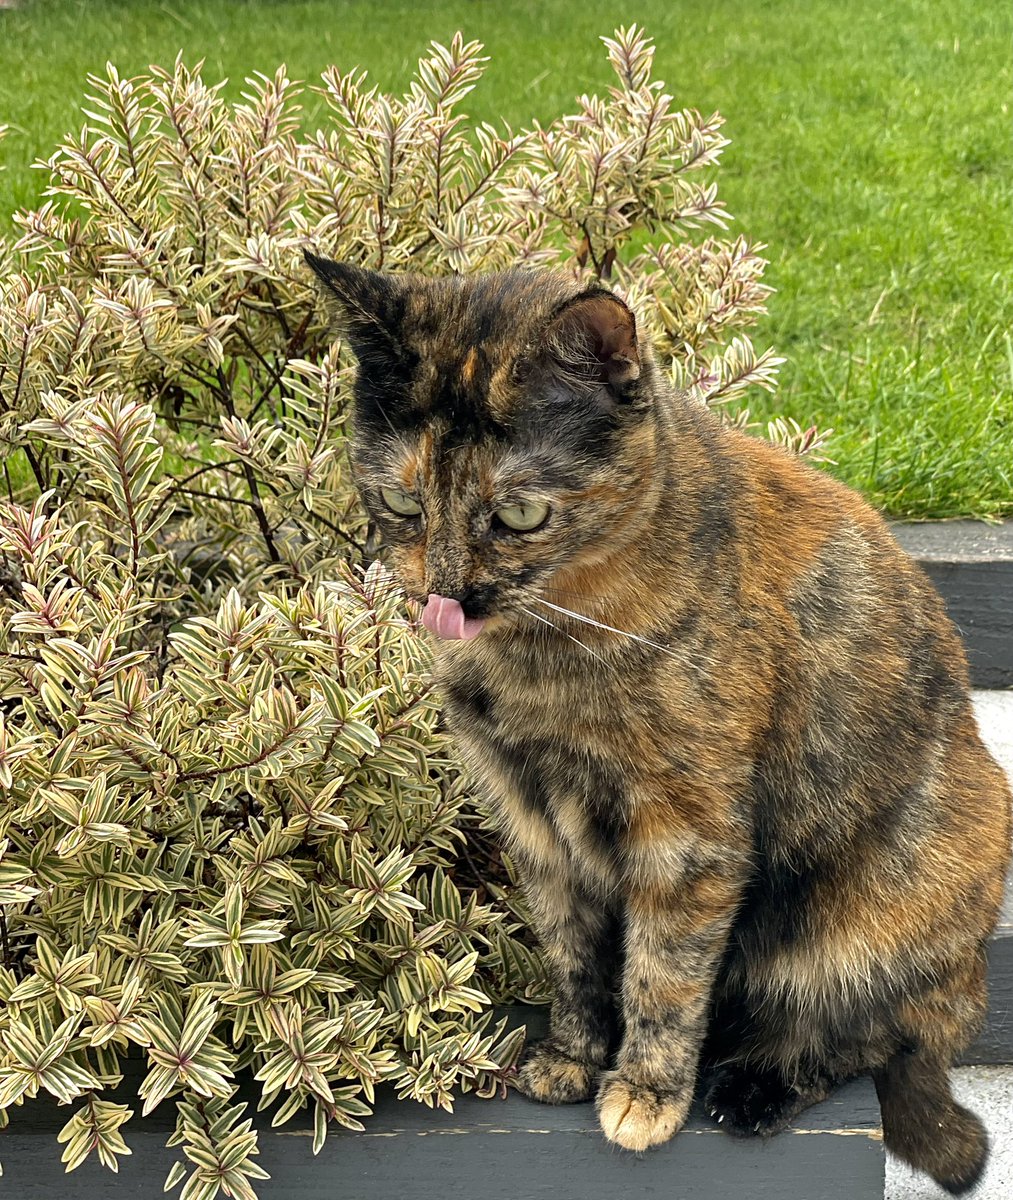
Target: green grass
<point>870,151</point>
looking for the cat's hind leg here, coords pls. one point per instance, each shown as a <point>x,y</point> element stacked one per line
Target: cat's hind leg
<point>757,1077</point>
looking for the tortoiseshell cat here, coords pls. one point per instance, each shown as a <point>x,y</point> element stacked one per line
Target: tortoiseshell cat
<point>723,720</point>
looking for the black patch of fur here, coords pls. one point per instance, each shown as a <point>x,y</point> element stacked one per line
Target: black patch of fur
<point>752,1101</point>
<point>528,778</point>
<point>469,699</point>
<point>776,901</point>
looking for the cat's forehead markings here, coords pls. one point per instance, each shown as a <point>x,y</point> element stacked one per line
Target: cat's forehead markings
<point>415,461</point>
<point>426,375</point>
<point>605,494</point>
<point>470,471</point>
<point>408,471</point>
<point>511,470</point>
<point>487,481</point>
<point>500,398</point>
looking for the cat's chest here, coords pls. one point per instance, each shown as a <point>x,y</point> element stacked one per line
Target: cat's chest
<point>552,732</point>
<point>516,694</point>
<point>552,749</point>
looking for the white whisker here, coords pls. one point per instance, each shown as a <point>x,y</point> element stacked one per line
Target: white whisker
<point>552,625</point>
<point>568,612</point>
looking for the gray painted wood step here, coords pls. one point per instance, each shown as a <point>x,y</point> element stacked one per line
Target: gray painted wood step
<point>496,1149</point>
<point>995,720</point>
<point>995,1045</point>
<point>515,1150</point>
<point>971,564</point>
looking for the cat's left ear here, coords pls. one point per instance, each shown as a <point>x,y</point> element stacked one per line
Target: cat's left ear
<point>370,305</point>
<point>591,342</point>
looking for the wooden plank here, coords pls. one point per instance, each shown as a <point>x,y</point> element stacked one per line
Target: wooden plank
<point>956,541</point>
<point>995,1045</point>
<point>971,564</point>
<point>994,711</point>
<point>508,1149</point>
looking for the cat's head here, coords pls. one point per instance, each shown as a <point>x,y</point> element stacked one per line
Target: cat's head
<point>503,433</point>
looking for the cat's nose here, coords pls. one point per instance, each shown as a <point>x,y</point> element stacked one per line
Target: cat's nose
<point>464,596</point>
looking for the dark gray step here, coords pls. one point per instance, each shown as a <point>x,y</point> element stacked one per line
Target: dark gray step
<point>496,1149</point>
<point>513,1149</point>
<point>971,564</point>
<point>994,711</point>
<point>996,1042</point>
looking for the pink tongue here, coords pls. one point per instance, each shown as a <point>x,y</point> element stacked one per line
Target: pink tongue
<point>445,618</point>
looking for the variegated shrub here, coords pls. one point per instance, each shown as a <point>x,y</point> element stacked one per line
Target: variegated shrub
<point>232,837</point>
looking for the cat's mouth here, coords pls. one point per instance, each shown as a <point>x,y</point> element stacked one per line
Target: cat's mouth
<point>446,619</point>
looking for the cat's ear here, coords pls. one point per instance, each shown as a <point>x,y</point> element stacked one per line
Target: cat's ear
<point>369,305</point>
<point>591,342</point>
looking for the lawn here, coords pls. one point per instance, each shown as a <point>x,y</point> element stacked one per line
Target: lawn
<point>870,151</point>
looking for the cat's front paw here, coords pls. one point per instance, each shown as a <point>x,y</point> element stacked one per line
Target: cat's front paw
<point>553,1077</point>
<point>637,1117</point>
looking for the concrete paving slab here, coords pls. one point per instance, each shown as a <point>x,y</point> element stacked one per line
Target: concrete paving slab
<point>995,720</point>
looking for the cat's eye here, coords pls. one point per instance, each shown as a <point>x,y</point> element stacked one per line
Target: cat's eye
<point>523,517</point>
<point>400,502</point>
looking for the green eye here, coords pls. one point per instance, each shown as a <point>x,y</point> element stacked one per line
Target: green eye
<point>400,502</point>
<point>524,517</point>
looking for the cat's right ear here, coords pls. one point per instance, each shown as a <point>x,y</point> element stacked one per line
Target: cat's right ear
<point>590,345</point>
<point>369,306</point>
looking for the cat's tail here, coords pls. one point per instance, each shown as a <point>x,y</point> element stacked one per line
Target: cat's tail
<point>922,1122</point>
<point>925,1126</point>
